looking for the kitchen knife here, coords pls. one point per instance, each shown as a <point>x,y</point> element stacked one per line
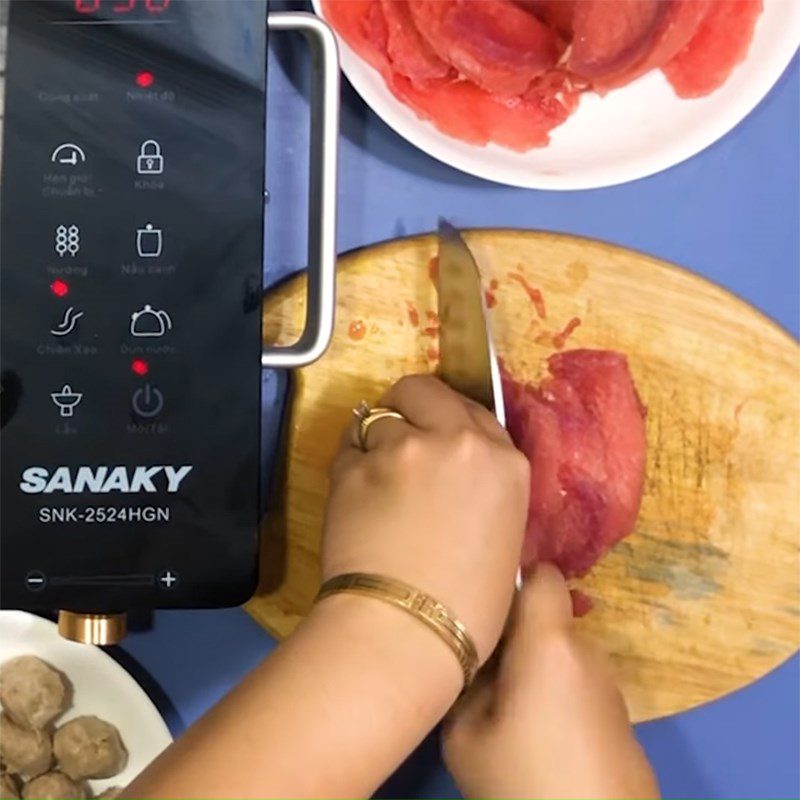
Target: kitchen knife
<point>467,358</point>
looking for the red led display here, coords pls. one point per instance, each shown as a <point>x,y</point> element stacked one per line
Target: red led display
<point>59,288</point>
<point>122,6</point>
<point>139,366</point>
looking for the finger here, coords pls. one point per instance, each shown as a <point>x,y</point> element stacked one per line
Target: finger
<point>487,422</point>
<point>543,604</point>
<point>474,707</point>
<point>380,432</point>
<point>347,457</point>
<point>428,403</point>
<point>349,441</point>
<point>542,608</point>
<point>476,704</point>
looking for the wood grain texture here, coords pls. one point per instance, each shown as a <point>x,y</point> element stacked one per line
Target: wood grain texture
<point>705,595</point>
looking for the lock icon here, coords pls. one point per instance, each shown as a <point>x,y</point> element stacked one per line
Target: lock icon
<point>150,161</point>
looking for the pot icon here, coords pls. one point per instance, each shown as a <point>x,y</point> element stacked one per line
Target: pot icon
<point>149,321</point>
<point>149,241</point>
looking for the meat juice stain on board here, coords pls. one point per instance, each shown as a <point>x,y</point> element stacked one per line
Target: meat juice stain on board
<point>433,269</point>
<point>489,294</point>
<point>534,294</point>
<point>560,339</point>
<point>576,274</point>
<point>357,330</point>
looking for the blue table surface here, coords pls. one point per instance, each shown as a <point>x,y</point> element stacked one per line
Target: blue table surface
<point>731,214</point>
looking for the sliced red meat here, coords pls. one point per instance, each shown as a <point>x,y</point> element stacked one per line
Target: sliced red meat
<point>363,26</point>
<point>458,108</point>
<point>583,431</point>
<point>611,37</point>
<point>582,604</point>
<point>464,111</point>
<point>720,43</point>
<point>494,43</point>
<point>617,41</point>
<point>408,52</point>
<point>556,14</point>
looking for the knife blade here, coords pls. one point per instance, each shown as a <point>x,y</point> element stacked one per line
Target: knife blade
<point>468,360</point>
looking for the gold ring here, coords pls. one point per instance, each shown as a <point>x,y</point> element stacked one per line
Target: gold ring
<point>366,416</point>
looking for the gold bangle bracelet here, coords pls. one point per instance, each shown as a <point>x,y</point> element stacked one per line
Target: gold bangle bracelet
<point>420,605</point>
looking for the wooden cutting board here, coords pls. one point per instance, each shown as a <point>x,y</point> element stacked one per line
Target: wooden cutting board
<point>704,597</point>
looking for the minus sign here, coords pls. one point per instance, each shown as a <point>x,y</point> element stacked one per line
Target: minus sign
<point>35,580</point>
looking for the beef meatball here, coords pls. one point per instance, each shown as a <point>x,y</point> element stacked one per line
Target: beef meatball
<point>24,750</point>
<point>8,787</point>
<point>33,694</point>
<point>52,786</point>
<point>89,747</point>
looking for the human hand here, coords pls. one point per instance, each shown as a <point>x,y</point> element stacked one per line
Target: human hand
<point>547,720</point>
<point>439,501</point>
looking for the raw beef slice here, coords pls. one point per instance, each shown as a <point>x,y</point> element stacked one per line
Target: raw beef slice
<point>617,42</point>
<point>408,52</point>
<point>496,44</point>
<point>463,110</point>
<point>583,431</point>
<point>364,28</point>
<point>458,108</point>
<point>611,38</point>
<point>555,13</point>
<point>720,43</point>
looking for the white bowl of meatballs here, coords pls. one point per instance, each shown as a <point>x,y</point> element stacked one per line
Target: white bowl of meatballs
<point>74,724</point>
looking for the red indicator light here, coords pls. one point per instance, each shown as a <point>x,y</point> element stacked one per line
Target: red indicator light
<point>59,288</point>
<point>140,366</point>
<point>145,79</point>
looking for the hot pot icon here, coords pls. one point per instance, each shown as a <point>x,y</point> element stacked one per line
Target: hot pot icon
<point>149,321</point>
<point>66,399</point>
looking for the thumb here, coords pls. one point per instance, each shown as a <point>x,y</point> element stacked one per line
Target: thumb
<point>472,710</point>
<point>542,607</point>
<point>543,604</point>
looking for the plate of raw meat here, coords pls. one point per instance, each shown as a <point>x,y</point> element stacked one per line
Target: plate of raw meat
<point>563,94</point>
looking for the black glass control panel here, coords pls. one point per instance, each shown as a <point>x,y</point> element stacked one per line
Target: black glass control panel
<point>130,287</point>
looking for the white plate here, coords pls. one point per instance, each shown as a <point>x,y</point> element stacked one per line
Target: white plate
<point>100,686</point>
<point>633,132</point>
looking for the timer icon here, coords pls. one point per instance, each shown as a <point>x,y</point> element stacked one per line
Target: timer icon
<point>68,153</point>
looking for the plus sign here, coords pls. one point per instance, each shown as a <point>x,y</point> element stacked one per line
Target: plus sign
<point>168,578</point>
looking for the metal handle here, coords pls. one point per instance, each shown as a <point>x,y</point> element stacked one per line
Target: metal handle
<point>321,301</point>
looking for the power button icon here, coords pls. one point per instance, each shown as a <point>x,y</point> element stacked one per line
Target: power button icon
<point>147,401</point>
